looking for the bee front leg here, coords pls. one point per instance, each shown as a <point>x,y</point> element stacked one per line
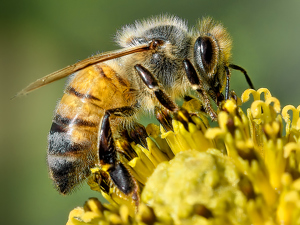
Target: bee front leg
<point>164,118</point>
<point>118,172</point>
<point>197,85</point>
<point>153,85</point>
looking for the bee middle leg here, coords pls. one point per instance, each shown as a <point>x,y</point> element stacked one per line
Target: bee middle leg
<point>138,132</point>
<point>197,85</point>
<point>118,172</point>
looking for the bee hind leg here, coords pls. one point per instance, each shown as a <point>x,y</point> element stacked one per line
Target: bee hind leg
<point>118,172</point>
<point>197,85</point>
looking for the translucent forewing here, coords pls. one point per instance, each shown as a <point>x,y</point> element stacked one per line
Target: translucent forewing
<point>59,74</point>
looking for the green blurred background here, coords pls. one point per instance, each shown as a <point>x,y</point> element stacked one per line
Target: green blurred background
<point>38,37</point>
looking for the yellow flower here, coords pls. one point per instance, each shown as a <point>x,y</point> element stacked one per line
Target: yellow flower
<point>246,170</point>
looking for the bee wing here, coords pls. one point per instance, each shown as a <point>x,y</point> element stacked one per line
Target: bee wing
<point>59,74</point>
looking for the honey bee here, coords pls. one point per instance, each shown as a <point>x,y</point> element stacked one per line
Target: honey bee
<point>160,60</point>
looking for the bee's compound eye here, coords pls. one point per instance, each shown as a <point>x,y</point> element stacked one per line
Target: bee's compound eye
<point>205,53</point>
<point>206,50</point>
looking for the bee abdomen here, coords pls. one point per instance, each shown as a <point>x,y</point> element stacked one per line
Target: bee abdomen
<point>60,141</point>
<point>60,122</point>
<point>72,141</point>
<point>66,172</point>
<point>72,91</point>
<point>70,161</point>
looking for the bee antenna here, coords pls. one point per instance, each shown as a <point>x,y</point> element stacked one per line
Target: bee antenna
<point>236,67</point>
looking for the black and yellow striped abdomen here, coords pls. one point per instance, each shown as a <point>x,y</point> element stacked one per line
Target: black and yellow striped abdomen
<point>73,138</point>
